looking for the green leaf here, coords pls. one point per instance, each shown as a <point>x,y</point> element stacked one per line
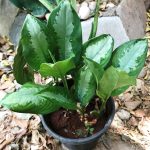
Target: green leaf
<point>22,74</point>
<point>38,99</point>
<point>59,69</point>
<point>130,57</point>
<point>99,49</point>
<point>112,80</point>
<point>95,68</point>
<point>85,86</point>
<point>34,42</point>
<point>33,6</point>
<point>65,27</point>
<point>118,91</point>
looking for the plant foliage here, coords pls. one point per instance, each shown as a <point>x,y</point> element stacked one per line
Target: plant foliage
<point>33,6</point>
<point>55,49</point>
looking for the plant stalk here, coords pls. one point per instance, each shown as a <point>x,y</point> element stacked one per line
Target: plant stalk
<point>95,22</point>
<point>102,106</point>
<point>47,4</point>
<point>62,77</point>
<point>65,84</point>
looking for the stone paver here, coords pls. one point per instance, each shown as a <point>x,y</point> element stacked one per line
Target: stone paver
<point>107,25</point>
<point>8,13</point>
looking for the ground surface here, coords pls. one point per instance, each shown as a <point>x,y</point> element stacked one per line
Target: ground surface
<point>130,129</point>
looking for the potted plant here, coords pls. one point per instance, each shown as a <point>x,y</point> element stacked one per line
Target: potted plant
<point>77,107</point>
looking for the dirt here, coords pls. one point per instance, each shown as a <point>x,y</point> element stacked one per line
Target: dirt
<point>71,124</point>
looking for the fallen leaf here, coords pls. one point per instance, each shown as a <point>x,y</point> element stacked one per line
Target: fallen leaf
<point>144,126</point>
<point>131,105</point>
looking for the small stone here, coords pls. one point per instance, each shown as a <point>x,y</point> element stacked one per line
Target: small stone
<point>117,122</point>
<point>47,16</point>
<point>92,6</point>
<point>89,1</point>
<point>123,114</point>
<point>142,73</point>
<point>49,80</point>
<point>110,5</point>
<point>131,105</point>
<point>84,4</point>
<point>84,12</point>
<point>133,121</point>
<point>11,58</point>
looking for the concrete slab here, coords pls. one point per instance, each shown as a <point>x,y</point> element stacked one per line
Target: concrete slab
<point>107,25</point>
<point>16,27</point>
<point>8,13</point>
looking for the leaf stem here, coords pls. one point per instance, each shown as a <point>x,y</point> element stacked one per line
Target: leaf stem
<point>62,77</point>
<point>102,106</point>
<point>95,22</point>
<point>65,84</point>
<point>47,4</point>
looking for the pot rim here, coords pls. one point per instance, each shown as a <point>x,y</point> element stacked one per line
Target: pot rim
<point>86,139</point>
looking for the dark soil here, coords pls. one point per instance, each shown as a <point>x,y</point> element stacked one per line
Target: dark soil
<point>71,125</point>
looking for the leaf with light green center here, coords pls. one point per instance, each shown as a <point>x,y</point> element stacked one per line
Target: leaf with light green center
<point>85,86</point>
<point>59,69</point>
<point>38,99</point>
<point>22,74</point>
<point>34,42</point>
<point>66,29</point>
<point>99,49</point>
<point>95,68</point>
<point>33,6</point>
<point>130,57</point>
<point>113,79</point>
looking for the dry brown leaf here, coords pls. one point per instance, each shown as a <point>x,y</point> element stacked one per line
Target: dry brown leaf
<point>144,126</point>
<point>9,138</point>
<point>131,105</point>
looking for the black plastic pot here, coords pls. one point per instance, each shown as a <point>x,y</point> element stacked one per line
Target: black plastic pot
<point>87,143</point>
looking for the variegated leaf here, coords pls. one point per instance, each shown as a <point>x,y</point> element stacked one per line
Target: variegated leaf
<point>32,98</point>
<point>95,68</point>
<point>34,42</point>
<point>85,86</point>
<point>65,27</point>
<point>99,49</point>
<point>22,74</point>
<point>130,57</point>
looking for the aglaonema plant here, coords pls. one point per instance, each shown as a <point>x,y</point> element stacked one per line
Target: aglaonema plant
<point>38,8</point>
<point>55,49</point>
